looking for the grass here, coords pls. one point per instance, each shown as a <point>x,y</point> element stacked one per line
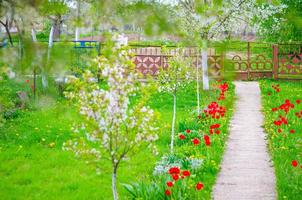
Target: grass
<point>284,146</point>
<point>33,165</point>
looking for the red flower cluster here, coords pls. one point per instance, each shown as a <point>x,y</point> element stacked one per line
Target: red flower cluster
<point>215,111</point>
<point>223,88</point>
<point>188,131</point>
<point>27,81</point>
<point>175,173</point>
<point>298,101</point>
<point>214,128</point>
<point>286,106</point>
<point>174,170</point>
<point>299,114</point>
<point>282,120</point>
<point>292,131</point>
<point>276,87</point>
<point>207,140</point>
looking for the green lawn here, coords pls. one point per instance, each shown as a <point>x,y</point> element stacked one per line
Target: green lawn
<point>284,146</point>
<point>33,165</point>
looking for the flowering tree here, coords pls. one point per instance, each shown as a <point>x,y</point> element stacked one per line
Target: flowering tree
<point>113,128</point>
<point>209,20</point>
<point>171,79</point>
<point>278,23</point>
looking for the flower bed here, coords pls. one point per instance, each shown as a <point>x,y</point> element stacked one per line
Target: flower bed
<point>190,171</point>
<point>283,124</point>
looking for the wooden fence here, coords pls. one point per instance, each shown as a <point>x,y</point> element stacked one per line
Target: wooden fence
<point>246,61</point>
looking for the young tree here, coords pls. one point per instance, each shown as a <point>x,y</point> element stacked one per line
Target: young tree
<point>175,76</point>
<point>115,128</point>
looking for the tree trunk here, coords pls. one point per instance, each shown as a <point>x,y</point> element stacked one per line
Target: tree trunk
<point>173,122</point>
<point>6,26</point>
<point>114,189</point>
<point>77,34</point>
<point>20,49</point>
<point>50,44</point>
<point>197,87</point>
<point>35,83</point>
<point>77,31</point>
<point>9,35</point>
<point>33,35</point>
<point>204,62</point>
<point>50,38</point>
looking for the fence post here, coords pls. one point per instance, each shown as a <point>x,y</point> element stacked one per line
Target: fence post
<point>275,61</point>
<point>248,59</point>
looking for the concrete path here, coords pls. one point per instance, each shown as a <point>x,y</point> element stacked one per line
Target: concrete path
<point>246,172</point>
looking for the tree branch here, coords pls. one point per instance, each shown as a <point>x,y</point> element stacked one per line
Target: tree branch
<point>227,17</point>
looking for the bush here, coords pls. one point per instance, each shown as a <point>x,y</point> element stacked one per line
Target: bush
<point>9,99</point>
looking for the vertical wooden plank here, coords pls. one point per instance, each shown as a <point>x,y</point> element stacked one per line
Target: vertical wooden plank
<point>275,61</point>
<point>248,59</point>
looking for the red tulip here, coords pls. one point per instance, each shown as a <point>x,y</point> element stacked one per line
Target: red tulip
<point>199,186</point>
<point>207,142</point>
<point>294,163</point>
<point>196,141</point>
<point>169,184</point>
<point>168,193</point>
<point>186,173</point>
<point>174,170</point>
<point>182,137</point>
<point>175,177</point>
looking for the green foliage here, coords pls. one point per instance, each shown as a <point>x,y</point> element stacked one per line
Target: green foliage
<point>8,99</point>
<point>54,7</point>
<point>44,34</point>
<point>289,22</point>
<point>145,191</point>
<point>202,161</point>
<point>284,146</point>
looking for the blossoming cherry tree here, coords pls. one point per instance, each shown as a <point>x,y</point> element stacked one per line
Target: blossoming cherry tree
<point>113,127</point>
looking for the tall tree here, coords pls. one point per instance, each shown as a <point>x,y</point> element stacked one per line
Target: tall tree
<point>7,11</point>
<point>53,10</point>
<point>280,22</point>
